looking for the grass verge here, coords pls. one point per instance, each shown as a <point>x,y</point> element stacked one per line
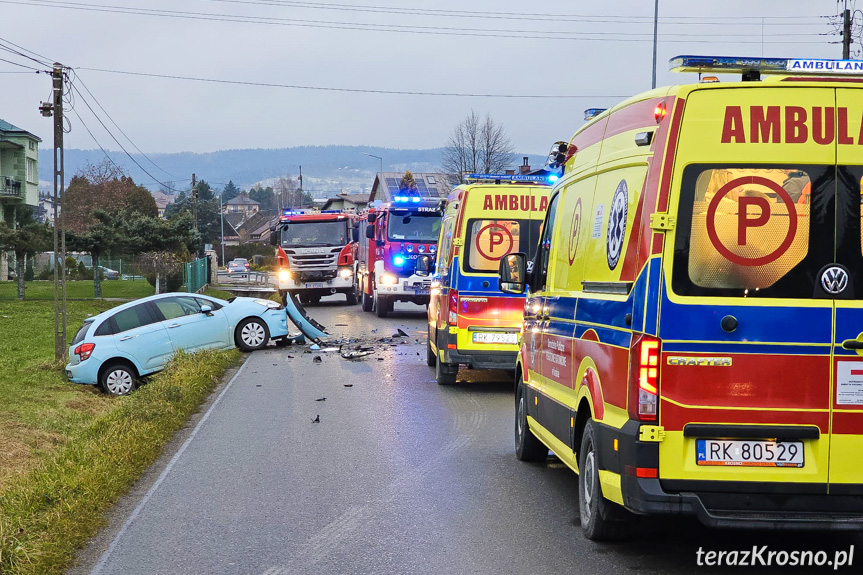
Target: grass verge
<point>78,289</point>
<point>49,512</point>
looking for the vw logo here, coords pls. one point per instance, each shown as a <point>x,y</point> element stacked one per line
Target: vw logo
<point>834,280</point>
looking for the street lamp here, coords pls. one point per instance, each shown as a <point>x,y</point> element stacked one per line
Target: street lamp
<point>374,156</point>
<point>222,217</point>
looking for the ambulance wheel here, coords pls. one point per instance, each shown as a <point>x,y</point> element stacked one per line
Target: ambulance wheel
<point>368,302</point>
<point>527,446</point>
<point>601,519</point>
<point>445,373</point>
<point>431,358</point>
<point>383,306</point>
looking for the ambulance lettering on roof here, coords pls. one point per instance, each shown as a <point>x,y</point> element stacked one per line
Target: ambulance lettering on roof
<point>842,66</point>
<point>514,202</point>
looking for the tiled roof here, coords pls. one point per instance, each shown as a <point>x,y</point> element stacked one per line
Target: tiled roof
<point>429,185</point>
<point>7,128</point>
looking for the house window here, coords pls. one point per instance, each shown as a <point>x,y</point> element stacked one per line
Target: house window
<point>32,172</point>
<point>32,146</point>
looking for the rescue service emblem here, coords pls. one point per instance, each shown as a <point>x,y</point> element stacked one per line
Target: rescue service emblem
<point>616,225</point>
<point>834,280</point>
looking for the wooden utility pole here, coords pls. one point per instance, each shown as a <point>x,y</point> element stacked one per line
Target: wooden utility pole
<point>301,189</point>
<point>846,33</point>
<point>56,108</point>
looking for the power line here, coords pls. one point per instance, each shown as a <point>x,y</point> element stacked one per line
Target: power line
<point>3,46</point>
<point>122,171</point>
<point>427,30</point>
<point>86,103</point>
<point>353,90</point>
<point>502,16</point>
<point>37,70</point>
<point>83,85</point>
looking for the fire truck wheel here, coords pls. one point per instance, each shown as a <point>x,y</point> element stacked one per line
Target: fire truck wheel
<point>368,302</point>
<point>352,297</point>
<point>527,446</point>
<point>445,373</point>
<point>383,306</point>
<point>431,358</point>
<point>601,519</point>
<point>252,334</point>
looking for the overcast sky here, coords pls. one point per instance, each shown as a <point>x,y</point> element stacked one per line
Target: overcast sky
<point>170,115</point>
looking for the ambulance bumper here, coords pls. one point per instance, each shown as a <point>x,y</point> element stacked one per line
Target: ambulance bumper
<point>479,359</point>
<point>786,506</point>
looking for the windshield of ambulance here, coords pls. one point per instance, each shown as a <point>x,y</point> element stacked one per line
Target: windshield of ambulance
<point>766,231</point>
<point>487,241</point>
<point>311,234</point>
<point>410,226</point>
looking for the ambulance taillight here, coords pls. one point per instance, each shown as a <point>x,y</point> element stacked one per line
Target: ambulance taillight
<point>644,390</point>
<point>453,307</point>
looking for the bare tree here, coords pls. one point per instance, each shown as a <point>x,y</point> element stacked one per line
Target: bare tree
<point>477,145</point>
<point>98,174</point>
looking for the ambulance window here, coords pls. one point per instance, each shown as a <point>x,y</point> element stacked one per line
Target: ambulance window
<point>747,231</point>
<point>442,267</point>
<point>489,240</point>
<point>545,243</point>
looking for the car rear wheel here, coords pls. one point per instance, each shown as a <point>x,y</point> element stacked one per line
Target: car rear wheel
<point>445,373</point>
<point>527,446</point>
<point>601,519</point>
<point>252,334</point>
<point>118,378</point>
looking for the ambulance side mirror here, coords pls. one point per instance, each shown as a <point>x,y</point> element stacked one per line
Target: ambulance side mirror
<point>425,265</point>
<point>512,273</point>
<point>370,232</point>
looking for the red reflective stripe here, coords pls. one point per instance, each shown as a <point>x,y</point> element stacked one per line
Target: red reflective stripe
<point>451,346</point>
<point>670,152</point>
<point>646,472</point>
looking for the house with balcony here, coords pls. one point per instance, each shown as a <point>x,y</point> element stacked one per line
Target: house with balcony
<point>19,176</point>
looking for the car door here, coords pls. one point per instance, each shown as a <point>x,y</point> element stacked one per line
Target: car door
<point>139,334</point>
<point>220,334</point>
<point>189,329</point>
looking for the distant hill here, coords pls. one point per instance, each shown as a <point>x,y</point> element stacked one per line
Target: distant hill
<point>326,169</point>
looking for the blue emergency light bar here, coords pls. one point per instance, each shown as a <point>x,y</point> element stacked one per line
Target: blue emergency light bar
<point>550,179</point>
<point>734,65</point>
<point>331,211</point>
<point>405,199</point>
<point>591,113</point>
<point>293,212</point>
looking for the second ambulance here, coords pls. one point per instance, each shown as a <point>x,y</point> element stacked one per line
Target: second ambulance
<point>693,334</point>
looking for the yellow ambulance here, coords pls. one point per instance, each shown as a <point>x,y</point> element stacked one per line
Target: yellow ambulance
<point>693,329</point>
<point>470,322</point>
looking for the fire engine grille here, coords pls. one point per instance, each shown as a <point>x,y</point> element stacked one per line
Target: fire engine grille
<point>313,262</point>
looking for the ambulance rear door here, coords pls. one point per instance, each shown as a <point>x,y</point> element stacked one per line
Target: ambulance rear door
<point>746,358</point>
<point>846,278</point>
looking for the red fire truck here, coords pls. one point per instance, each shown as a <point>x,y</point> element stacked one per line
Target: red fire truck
<point>396,233</point>
<point>316,254</point>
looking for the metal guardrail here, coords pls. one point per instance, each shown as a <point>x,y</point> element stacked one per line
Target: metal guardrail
<point>195,275</point>
<point>250,277</point>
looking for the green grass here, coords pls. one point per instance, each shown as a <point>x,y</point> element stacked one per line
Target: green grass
<point>68,451</point>
<point>79,289</point>
<point>219,293</point>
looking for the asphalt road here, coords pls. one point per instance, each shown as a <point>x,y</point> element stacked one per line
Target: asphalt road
<point>399,476</point>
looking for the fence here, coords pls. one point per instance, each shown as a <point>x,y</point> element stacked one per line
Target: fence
<point>195,275</point>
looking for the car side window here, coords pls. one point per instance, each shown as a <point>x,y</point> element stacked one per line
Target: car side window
<point>177,306</point>
<point>212,304</point>
<point>131,318</point>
